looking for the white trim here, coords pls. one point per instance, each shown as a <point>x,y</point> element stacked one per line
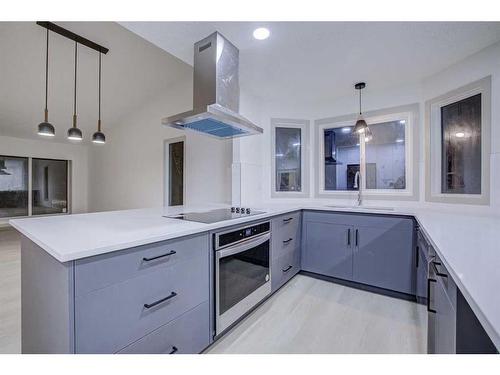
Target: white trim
<point>433,144</point>
<point>407,113</point>
<point>30,187</point>
<point>303,125</point>
<point>166,171</point>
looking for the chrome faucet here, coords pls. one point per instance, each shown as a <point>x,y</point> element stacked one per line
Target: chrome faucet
<point>357,184</point>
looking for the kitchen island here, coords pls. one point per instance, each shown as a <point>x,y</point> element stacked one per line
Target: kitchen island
<point>88,257</point>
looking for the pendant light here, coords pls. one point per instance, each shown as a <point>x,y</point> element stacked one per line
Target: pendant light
<point>45,128</point>
<point>361,125</point>
<point>99,136</point>
<point>74,133</point>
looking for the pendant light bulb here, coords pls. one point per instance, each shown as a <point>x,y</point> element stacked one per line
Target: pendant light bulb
<point>98,137</point>
<point>45,128</point>
<point>75,134</point>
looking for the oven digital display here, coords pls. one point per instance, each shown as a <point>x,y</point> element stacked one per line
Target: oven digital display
<point>240,234</point>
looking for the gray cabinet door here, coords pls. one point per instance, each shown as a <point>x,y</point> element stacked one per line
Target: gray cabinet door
<point>327,249</point>
<point>421,284</point>
<point>384,257</point>
<point>445,321</point>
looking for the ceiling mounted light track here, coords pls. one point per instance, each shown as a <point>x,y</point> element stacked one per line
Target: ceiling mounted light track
<point>45,128</point>
<point>99,136</point>
<point>361,125</point>
<point>74,133</point>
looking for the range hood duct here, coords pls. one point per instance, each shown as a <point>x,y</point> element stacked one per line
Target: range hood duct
<point>216,92</point>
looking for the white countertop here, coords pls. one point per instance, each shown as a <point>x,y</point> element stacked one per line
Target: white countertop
<point>469,245</point>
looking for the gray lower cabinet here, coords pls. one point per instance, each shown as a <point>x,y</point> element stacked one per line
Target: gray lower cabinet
<point>147,299</point>
<point>384,257</point>
<point>441,333</point>
<point>186,335</point>
<point>286,240</point>
<point>422,261</point>
<point>375,250</point>
<point>327,249</point>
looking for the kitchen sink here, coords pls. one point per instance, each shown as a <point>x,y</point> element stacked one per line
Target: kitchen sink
<point>370,208</point>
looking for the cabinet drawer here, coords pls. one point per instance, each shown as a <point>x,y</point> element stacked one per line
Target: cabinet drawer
<point>286,233</point>
<point>284,268</point>
<point>188,334</point>
<point>100,271</point>
<point>111,318</point>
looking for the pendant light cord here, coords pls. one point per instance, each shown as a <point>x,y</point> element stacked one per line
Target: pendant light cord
<point>76,63</point>
<point>47,77</point>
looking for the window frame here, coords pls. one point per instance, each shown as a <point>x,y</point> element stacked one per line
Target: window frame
<point>304,126</point>
<point>408,113</point>
<point>433,144</point>
<point>166,170</point>
<point>30,187</point>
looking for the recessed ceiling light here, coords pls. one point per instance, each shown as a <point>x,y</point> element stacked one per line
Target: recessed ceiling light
<point>346,130</point>
<point>460,134</point>
<point>261,33</point>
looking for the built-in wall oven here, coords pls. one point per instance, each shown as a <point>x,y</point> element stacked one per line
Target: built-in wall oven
<point>242,272</point>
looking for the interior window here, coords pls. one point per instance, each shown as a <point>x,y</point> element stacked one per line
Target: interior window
<point>342,159</point>
<point>461,146</point>
<point>49,186</point>
<point>288,150</point>
<point>176,174</point>
<point>13,186</point>
<point>385,156</point>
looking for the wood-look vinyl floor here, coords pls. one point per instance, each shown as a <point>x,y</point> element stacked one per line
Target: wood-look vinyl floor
<point>315,316</point>
<point>10,292</point>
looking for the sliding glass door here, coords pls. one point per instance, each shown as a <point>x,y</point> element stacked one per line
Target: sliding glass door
<point>33,186</point>
<point>13,186</point>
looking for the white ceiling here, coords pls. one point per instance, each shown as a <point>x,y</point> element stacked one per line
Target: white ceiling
<point>310,60</point>
<point>133,72</point>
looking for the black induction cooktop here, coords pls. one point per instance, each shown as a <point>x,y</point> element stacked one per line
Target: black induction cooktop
<point>215,216</point>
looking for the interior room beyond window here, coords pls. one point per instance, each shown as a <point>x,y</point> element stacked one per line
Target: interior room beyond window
<point>385,156</point>
<point>288,159</point>
<point>342,158</point>
<point>461,146</point>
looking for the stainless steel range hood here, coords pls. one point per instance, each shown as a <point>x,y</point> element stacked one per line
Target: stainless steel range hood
<point>216,92</point>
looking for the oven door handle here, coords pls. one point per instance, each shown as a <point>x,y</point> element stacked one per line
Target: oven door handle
<point>243,246</point>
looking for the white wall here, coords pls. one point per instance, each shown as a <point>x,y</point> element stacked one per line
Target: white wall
<point>475,67</point>
<point>78,154</point>
<point>128,171</point>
